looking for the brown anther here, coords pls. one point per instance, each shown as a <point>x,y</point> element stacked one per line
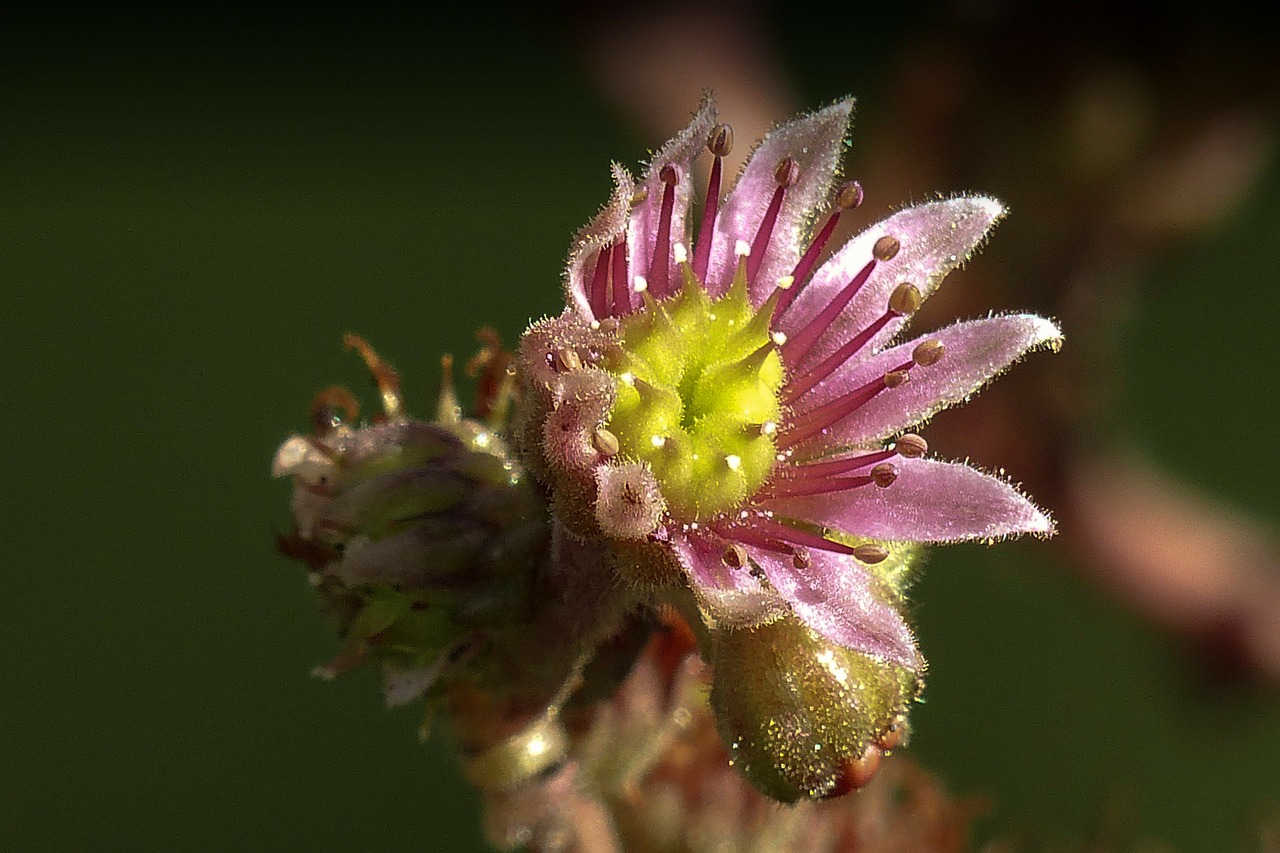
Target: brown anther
<point>565,360</point>
<point>905,299</point>
<point>870,554</point>
<point>892,736</point>
<point>668,174</point>
<point>734,556</point>
<point>886,248</point>
<point>928,353</point>
<point>721,141</point>
<point>911,446</point>
<point>800,558</point>
<point>884,474</point>
<point>787,173</point>
<point>855,773</point>
<point>894,378</point>
<point>639,196</point>
<point>605,442</point>
<point>849,196</point>
<point>331,408</point>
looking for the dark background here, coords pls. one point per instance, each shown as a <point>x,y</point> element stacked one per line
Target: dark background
<point>191,215</point>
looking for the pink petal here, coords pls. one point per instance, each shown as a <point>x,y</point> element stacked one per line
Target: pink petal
<point>840,600</point>
<point>935,238</point>
<point>975,352</point>
<point>731,597</point>
<point>815,142</point>
<point>605,227</point>
<point>929,502</point>
<point>679,152</point>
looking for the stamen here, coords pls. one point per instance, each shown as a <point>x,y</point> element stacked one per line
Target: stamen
<point>779,532</point>
<point>886,248</point>
<point>566,359</point>
<point>659,268</point>
<point>384,375</point>
<point>813,486</point>
<point>605,442</point>
<point>734,556</point>
<point>618,279</point>
<point>799,346</point>
<point>911,446</point>
<point>928,353</point>
<point>894,378</point>
<point>841,407</point>
<point>786,175</point>
<point>848,197</point>
<point>904,300</point>
<point>448,408</point>
<point>599,292</point>
<point>870,554</point>
<point>839,466</point>
<point>884,474</point>
<point>720,144</point>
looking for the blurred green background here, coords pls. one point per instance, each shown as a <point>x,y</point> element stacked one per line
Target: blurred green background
<point>192,214</point>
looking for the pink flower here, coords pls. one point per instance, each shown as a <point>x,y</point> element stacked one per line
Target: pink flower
<point>732,407</point>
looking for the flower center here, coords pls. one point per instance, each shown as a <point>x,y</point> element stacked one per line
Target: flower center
<point>698,382</point>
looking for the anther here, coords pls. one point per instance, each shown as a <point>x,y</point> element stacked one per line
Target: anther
<point>892,736</point>
<point>911,446</point>
<point>849,195</point>
<point>787,173</point>
<point>668,175</point>
<point>721,141</point>
<point>928,353</point>
<point>886,248</point>
<point>734,556</point>
<point>884,474</point>
<point>905,299</point>
<point>566,360</point>
<point>605,442</point>
<point>894,378</point>
<point>870,554</point>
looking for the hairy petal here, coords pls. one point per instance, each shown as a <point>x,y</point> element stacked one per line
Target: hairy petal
<point>814,142</point>
<point>840,600</point>
<point>606,227</point>
<point>730,597</point>
<point>679,152</point>
<point>934,239</point>
<point>975,352</point>
<point>929,501</point>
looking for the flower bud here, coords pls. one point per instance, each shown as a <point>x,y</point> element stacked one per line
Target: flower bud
<point>802,717</point>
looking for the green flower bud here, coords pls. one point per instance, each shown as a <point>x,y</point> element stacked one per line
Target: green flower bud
<point>803,717</point>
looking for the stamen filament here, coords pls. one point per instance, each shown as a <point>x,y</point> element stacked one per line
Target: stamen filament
<point>841,407</point>
<point>707,231</point>
<point>600,283</point>
<point>798,346</point>
<point>621,292</point>
<point>798,386</point>
<point>660,266</point>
